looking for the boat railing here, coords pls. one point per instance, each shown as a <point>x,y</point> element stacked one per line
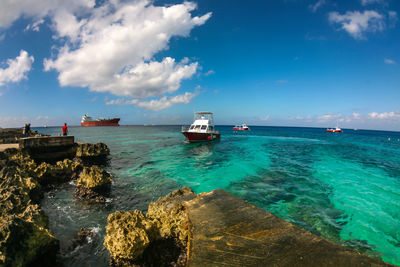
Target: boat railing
<point>185,128</point>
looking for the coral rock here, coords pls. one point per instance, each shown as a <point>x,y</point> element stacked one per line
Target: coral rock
<point>93,184</point>
<point>92,150</point>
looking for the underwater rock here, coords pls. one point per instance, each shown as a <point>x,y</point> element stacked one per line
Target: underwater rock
<point>135,238</point>
<point>82,238</point>
<point>93,185</point>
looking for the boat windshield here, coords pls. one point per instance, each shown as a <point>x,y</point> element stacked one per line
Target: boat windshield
<point>204,116</point>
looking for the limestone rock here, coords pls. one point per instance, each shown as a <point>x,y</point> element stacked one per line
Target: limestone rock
<point>63,171</point>
<point>24,237</point>
<point>93,184</point>
<point>133,238</point>
<point>170,215</point>
<point>93,177</point>
<point>128,235</point>
<point>25,243</point>
<point>92,150</point>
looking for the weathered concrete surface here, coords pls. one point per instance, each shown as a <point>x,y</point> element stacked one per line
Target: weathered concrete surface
<point>46,141</point>
<point>6,146</point>
<point>217,229</point>
<point>228,231</point>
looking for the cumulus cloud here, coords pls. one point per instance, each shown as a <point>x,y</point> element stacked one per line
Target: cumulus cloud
<point>384,115</point>
<point>317,5</point>
<point>17,69</point>
<point>155,104</point>
<point>389,61</point>
<point>11,10</point>
<point>112,50</point>
<point>329,118</point>
<point>111,47</point>
<point>357,23</point>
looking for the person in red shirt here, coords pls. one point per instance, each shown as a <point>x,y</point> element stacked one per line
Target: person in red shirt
<point>65,129</point>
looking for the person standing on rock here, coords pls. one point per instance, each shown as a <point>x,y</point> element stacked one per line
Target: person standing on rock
<point>65,129</point>
<point>27,129</point>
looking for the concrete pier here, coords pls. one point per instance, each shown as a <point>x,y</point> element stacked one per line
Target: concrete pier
<point>46,141</point>
<point>49,148</point>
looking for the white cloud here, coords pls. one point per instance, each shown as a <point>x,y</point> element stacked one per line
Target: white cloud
<point>368,2</point>
<point>317,5</point>
<point>329,118</point>
<point>35,25</point>
<point>357,23</point>
<point>121,102</point>
<point>155,104</point>
<point>17,69</point>
<point>11,10</point>
<point>265,118</point>
<point>113,49</point>
<point>356,115</point>
<point>384,115</point>
<point>166,102</point>
<point>389,61</point>
<point>208,73</point>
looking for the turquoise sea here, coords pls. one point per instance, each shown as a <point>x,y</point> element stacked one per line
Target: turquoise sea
<point>344,187</point>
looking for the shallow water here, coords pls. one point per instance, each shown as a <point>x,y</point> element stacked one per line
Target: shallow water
<point>344,187</point>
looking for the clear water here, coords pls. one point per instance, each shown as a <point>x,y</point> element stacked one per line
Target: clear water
<point>344,187</point>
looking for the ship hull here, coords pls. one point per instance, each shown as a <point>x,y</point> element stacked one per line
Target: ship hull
<point>194,137</point>
<point>112,122</point>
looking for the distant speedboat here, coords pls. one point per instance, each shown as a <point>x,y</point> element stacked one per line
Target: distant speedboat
<point>88,121</point>
<point>242,127</point>
<point>334,130</point>
<point>202,128</point>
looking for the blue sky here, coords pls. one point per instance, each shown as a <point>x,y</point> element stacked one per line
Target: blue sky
<point>281,62</point>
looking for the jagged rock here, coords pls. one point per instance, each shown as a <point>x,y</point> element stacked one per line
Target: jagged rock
<point>25,243</point>
<point>128,235</point>
<point>82,238</point>
<point>133,237</point>
<point>92,150</point>
<point>24,237</point>
<point>93,184</point>
<point>63,171</point>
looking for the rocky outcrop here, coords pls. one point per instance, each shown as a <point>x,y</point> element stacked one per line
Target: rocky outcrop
<point>93,184</point>
<point>217,229</point>
<point>85,150</point>
<point>155,238</point>
<point>25,239</point>
<point>61,172</point>
<point>24,236</point>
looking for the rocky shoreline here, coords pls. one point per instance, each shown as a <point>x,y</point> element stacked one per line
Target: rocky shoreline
<point>180,229</point>
<point>25,239</point>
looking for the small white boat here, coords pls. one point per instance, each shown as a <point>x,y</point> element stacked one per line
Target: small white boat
<point>242,127</point>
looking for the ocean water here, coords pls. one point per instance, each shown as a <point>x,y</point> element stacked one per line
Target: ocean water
<point>344,187</point>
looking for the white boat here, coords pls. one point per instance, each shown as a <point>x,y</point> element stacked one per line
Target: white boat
<point>242,127</point>
<point>202,128</point>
